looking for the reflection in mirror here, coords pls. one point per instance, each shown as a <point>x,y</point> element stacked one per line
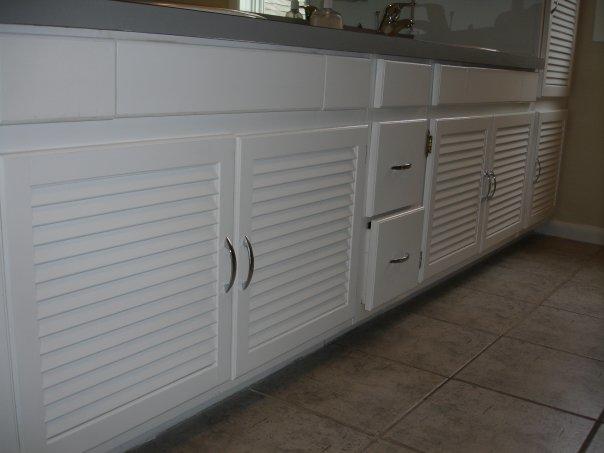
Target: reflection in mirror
<point>512,26</point>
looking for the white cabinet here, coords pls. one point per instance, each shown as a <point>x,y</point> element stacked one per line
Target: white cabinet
<point>394,254</point>
<point>397,165</point>
<point>559,47</point>
<point>297,201</point>
<point>546,165</point>
<point>507,166</point>
<point>453,191</point>
<point>116,273</point>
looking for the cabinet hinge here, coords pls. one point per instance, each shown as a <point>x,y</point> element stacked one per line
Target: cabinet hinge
<point>429,141</point>
<point>368,225</point>
<point>421,258</point>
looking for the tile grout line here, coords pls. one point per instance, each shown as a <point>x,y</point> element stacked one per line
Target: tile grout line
<point>528,400</point>
<point>570,311</point>
<point>592,433</point>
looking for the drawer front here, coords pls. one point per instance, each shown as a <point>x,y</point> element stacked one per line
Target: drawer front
<point>347,83</point>
<point>394,257</point>
<point>397,165</point>
<point>460,85</point>
<point>401,84</point>
<point>51,78</point>
<point>166,78</point>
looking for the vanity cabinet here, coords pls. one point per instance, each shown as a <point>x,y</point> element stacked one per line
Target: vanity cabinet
<point>454,187</point>
<point>506,167</point>
<point>298,198</point>
<point>545,163</point>
<point>116,295</point>
<point>559,47</point>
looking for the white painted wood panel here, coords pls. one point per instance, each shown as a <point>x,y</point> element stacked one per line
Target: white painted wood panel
<point>508,158</point>
<point>347,83</point>
<point>394,257</point>
<point>397,165</point>
<point>453,192</point>
<point>461,85</point>
<point>548,155</point>
<point>400,84</point>
<point>51,78</point>
<point>166,79</point>
<point>560,47</point>
<point>298,203</point>
<point>117,296</point>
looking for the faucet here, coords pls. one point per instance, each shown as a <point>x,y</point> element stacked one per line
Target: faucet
<point>391,25</point>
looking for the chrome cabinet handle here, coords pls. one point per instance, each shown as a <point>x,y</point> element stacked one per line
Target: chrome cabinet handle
<point>229,246</point>
<point>250,272</point>
<point>400,260</point>
<point>405,166</point>
<point>494,184</point>
<point>538,170</point>
<point>489,175</point>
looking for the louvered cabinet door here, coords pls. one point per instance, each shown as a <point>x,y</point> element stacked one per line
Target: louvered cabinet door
<point>560,47</point>
<point>453,192</point>
<point>546,165</point>
<point>298,193</point>
<point>116,271</point>
<point>508,158</point>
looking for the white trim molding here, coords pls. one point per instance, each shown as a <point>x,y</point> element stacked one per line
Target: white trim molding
<point>574,231</point>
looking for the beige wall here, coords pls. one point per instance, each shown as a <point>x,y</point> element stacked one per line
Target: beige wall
<point>581,192</point>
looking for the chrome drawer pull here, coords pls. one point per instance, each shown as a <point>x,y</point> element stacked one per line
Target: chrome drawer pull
<point>229,246</point>
<point>400,260</point>
<point>250,251</point>
<point>405,166</point>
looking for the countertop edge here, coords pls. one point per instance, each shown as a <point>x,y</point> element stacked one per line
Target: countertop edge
<point>141,18</point>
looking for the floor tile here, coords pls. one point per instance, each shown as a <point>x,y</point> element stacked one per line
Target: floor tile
<point>511,283</point>
<point>543,375</point>
<point>381,446</point>
<point>579,298</point>
<point>426,343</point>
<point>536,243</point>
<point>471,308</point>
<point>591,274</point>
<point>597,442</point>
<point>559,329</point>
<point>545,263</point>
<point>253,423</point>
<point>351,387</point>
<point>460,417</point>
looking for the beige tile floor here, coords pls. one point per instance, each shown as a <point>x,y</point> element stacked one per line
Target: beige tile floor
<point>507,357</point>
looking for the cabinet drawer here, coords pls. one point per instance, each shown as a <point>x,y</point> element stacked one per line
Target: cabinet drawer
<point>460,85</point>
<point>394,253</point>
<point>401,84</point>
<point>397,165</point>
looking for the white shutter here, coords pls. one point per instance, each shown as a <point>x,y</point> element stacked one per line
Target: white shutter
<point>511,139</point>
<point>297,198</point>
<point>454,191</point>
<point>547,166</point>
<point>124,252</point>
<point>560,47</point>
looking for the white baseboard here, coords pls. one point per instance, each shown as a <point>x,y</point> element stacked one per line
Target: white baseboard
<point>574,231</point>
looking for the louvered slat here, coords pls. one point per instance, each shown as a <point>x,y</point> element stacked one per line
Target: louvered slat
<point>563,23</point>
<point>281,300</point>
<point>126,285</point>
<point>456,192</point>
<point>510,151</point>
<point>296,201</point>
<point>548,155</point>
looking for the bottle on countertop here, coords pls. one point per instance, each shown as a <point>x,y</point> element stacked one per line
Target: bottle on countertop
<point>294,11</point>
<point>327,17</point>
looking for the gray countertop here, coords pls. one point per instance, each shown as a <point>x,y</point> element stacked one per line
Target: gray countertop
<point>120,16</point>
